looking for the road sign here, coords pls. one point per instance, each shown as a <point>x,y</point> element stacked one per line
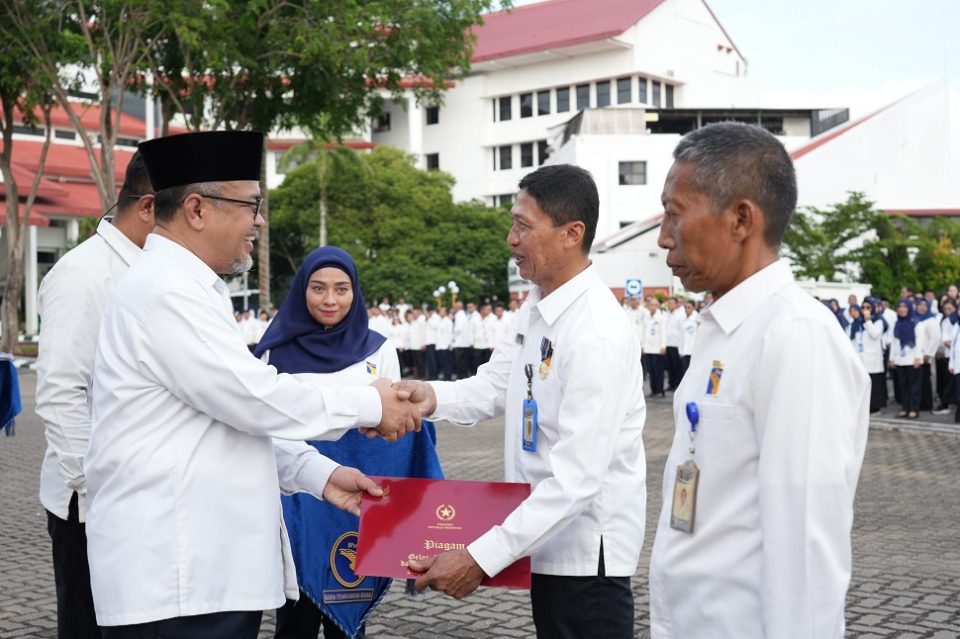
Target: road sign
<point>634,287</point>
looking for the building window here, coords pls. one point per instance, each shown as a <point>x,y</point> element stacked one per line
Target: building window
<point>655,93</point>
<point>633,173</point>
<point>506,158</point>
<point>642,90</point>
<point>433,115</point>
<point>624,90</point>
<point>61,134</point>
<point>603,93</point>
<point>433,161</point>
<point>669,88</point>
<point>505,104</point>
<point>504,200</point>
<point>526,105</point>
<point>27,130</point>
<point>543,152</point>
<point>563,99</point>
<point>583,97</point>
<point>382,123</point>
<point>543,103</point>
<point>126,141</point>
<point>526,154</point>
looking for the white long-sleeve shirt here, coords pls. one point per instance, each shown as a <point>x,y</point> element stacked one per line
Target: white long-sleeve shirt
<point>689,340</point>
<point>444,334</point>
<point>654,332</point>
<point>675,319</point>
<point>868,344</point>
<point>70,304</point>
<point>928,336</point>
<point>184,479</point>
<point>462,330</point>
<point>588,472</point>
<point>779,446</point>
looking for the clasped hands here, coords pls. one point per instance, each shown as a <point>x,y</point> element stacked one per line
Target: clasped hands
<point>404,405</point>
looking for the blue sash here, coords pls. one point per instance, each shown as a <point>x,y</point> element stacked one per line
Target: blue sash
<point>323,538</point>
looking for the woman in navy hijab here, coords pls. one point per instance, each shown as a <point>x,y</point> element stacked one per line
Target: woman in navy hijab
<point>321,332</point>
<point>906,357</point>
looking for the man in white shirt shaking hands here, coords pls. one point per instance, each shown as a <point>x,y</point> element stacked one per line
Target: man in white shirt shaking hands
<point>573,354</point>
<point>771,417</point>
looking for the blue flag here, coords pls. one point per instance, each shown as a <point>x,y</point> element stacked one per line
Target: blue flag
<point>323,538</point>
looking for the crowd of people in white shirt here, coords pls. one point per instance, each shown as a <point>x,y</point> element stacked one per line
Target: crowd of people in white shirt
<point>913,342</point>
<point>253,325</point>
<point>441,343</point>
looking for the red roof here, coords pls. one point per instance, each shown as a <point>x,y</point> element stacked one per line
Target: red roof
<point>130,126</point>
<point>35,219</point>
<point>554,24</point>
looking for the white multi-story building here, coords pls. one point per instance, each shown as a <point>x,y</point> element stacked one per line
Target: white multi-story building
<point>537,66</point>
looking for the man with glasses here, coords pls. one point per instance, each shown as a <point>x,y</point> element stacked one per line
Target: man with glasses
<point>71,301</point>
<point>192,439</point>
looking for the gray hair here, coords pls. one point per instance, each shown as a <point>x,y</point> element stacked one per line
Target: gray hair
<point>736,161</point>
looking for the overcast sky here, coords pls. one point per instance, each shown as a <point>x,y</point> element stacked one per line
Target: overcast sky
<point>860,54</point>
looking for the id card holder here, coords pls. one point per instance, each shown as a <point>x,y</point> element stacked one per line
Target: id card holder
<point>529,424</point>
<point>683,513</point>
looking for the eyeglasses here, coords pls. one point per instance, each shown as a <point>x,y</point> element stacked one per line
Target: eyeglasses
<point>255,204</point>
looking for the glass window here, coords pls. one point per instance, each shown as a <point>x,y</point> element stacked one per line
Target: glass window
<point>505,111</point>
<point>433,161</point>
<point>543,103</point>
<point>563,99</point>
<point>506,199</point>
<point>669,88</point>
<point>526,154</point>
<point>624,90</point>
<point>642,90</point>
<point>27,130</point>
<point>60,134</point>
<point>655,93</point>
<point>583,97</point>
<point>506,157</point>
<point>633,173</point>
<point>543,152</point>
<point>603,93</point>
<point>382,123</point>
<point>433,115</point>
<point>526,105</point>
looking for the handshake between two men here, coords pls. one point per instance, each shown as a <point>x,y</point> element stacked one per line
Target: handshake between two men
<point>404,405</point>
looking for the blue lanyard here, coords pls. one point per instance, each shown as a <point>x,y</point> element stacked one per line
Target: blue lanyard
<point>693,414</point>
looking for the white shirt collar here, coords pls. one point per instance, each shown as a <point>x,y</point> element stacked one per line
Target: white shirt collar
<point>554,304</point>
<point>745,298</point>
<point>183,258</point>
<point>115,239</point>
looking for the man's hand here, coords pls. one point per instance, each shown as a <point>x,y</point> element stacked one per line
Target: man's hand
<point>346,486</point>
<point>454,572</point>
<point>421,395</point>
<point>399,416</point>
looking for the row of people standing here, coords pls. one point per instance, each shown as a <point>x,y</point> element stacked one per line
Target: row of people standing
<point>667,338</point>
<point>441,343</point>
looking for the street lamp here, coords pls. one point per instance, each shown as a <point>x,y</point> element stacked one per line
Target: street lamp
<point>454,289</point>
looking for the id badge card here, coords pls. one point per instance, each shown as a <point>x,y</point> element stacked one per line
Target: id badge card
<point>529,425</point>
<point>684,511</point>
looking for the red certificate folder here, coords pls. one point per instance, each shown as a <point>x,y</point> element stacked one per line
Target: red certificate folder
<point>419,518</point>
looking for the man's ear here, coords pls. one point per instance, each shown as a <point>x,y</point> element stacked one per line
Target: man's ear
<point>193,211</point>
<point>145,209</point>
<point>748,220</point>
<point>573,234</point>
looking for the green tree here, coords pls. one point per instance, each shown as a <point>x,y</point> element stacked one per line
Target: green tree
<point>328,160</point>
<point>20,92</point>
<point>823,242</point>
<point>401,226</point>
<point>324,66</point>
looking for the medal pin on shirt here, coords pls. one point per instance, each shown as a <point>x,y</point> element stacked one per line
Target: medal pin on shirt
<point>684,510</point>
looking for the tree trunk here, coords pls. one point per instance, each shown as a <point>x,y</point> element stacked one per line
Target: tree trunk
<point>263,242</point>
<point>323,216</point>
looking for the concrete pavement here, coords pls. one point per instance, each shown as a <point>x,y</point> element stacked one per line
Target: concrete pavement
<point>906,580</point>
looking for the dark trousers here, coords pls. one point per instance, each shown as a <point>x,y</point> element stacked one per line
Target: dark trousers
<point>481,356</point>
<point>71,574</point>
<point>878,391</point>
<point>582,607</point>
<point>216,625</point>
<point>909,381</point>
<point>302,620</point>
<point>430,362</point>
<point>926,388</point>
<point>674,367</point>
<point>654,363</point>
<point>943,378</point>
<point>461,361</point>
<point>445,362</point>
<point>685,363</point>
<point>416,363</point>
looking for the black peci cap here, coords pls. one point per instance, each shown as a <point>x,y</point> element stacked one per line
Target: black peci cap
<point>213,156</point>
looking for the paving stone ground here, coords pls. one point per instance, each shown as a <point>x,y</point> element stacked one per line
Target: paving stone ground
<point>906,580</point>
